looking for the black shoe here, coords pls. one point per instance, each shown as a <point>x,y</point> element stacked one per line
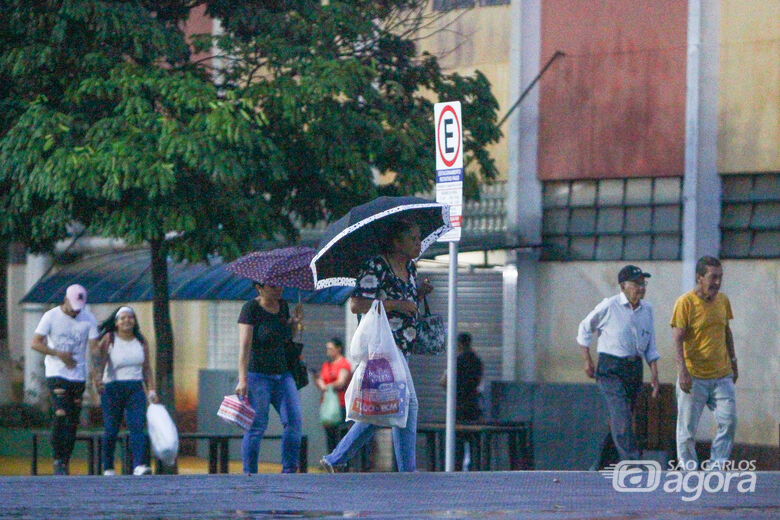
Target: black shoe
<point>60,467</point>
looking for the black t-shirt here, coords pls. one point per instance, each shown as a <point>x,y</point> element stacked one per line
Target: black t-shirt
<point>270,334</point>
<point>469,375</point>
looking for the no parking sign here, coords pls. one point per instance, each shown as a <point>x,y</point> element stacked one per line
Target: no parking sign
<point>449,163</point>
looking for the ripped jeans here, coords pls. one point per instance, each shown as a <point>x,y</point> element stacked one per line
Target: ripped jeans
<point>66,398</point>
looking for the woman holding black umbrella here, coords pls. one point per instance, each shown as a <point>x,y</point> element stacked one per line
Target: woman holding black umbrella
<point>265,326</point>
<point>391,277</point>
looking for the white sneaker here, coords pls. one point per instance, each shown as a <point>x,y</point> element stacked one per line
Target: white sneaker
<point>143,469</point>
<point>109,473</point>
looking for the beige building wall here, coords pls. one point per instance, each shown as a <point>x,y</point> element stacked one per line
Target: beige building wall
<point>15,292</point>
<point>475,39</point>
<point>570,290</point>
<point>749,87</point>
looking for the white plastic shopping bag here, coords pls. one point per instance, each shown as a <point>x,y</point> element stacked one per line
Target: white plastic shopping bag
<point>162,433</point>
<point>378,393</point>
<point>364,334</point>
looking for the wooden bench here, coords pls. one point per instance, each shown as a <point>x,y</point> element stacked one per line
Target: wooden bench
<point>89,438</point>
<point>518,437</point>
<point>219,450</point>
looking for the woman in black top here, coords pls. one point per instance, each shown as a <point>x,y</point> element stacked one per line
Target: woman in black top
<point>264,328</point>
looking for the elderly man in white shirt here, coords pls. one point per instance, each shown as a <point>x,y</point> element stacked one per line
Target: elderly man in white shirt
<point>626,334</point>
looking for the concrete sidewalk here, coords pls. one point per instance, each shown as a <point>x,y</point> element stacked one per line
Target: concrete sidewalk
<point>509,495</point>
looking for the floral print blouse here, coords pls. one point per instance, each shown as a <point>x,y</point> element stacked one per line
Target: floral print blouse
<point>377,281</point>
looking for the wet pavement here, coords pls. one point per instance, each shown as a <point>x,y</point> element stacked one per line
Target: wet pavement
<point>522,494</point>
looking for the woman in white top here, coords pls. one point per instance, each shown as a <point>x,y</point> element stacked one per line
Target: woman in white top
<point>121,370</point>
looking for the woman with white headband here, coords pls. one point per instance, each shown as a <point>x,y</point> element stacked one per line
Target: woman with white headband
<point>121,369</point>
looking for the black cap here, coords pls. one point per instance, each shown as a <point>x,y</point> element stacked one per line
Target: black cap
<point>631,273</point>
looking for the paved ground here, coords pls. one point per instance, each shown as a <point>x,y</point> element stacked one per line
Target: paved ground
<point>505,495</point>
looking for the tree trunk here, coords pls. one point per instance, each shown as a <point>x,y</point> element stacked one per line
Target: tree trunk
<point>5,353</point>
<point>163,332</point>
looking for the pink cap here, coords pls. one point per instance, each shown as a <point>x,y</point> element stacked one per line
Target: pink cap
<point>76,296</point>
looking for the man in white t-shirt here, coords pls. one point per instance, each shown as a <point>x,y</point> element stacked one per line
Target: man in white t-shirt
<point>63,335</point>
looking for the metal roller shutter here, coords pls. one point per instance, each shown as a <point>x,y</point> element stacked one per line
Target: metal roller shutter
<point>479,308</point>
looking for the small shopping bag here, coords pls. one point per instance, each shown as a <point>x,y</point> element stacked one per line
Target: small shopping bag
<point>330,408</point>
<point>237,411</point>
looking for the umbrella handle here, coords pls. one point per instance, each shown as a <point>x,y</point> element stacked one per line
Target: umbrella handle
<point>299,325</point>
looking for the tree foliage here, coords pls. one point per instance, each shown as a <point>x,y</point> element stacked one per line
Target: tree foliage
<point>349,96</point>
<point>115,129</point>
<point>106,121</point>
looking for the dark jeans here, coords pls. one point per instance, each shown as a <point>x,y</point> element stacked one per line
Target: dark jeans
<point>620,381</point>
<point>66,398</point>
<point>124,398</point>
<point>334,432</point>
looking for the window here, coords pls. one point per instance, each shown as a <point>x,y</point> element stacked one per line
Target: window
<point>750,216</point>
<point>447,5</point>
<point>612,219</point>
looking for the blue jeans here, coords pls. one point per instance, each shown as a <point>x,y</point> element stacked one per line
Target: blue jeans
<point>719,396</point>
<point>124,398</point>
<point>280,391</point>
<point>404,439</point>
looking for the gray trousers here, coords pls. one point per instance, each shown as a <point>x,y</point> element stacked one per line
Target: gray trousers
<point>620,381</point>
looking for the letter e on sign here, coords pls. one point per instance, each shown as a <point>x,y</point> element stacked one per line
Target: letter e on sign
<point>449,135</point>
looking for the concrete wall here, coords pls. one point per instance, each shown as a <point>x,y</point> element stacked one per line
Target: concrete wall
<point>569,420</point>
<point>571,290</point>
<point>215,384</point>
<point>748,97</point>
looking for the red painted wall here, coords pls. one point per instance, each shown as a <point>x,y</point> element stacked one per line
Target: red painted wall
<point>614,106</point>
<point>198,23</point>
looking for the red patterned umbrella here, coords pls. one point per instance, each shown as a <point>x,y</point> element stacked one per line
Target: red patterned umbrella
<point>285,267</point>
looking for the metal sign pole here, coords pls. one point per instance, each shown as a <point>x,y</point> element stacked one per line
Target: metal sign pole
<point>449,190</point>
<point>452,327</point>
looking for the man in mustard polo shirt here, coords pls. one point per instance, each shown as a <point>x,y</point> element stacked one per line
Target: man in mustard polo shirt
<point>706,364</point>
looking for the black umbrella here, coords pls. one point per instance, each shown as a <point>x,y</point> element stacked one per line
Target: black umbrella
<point>353,238</point>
